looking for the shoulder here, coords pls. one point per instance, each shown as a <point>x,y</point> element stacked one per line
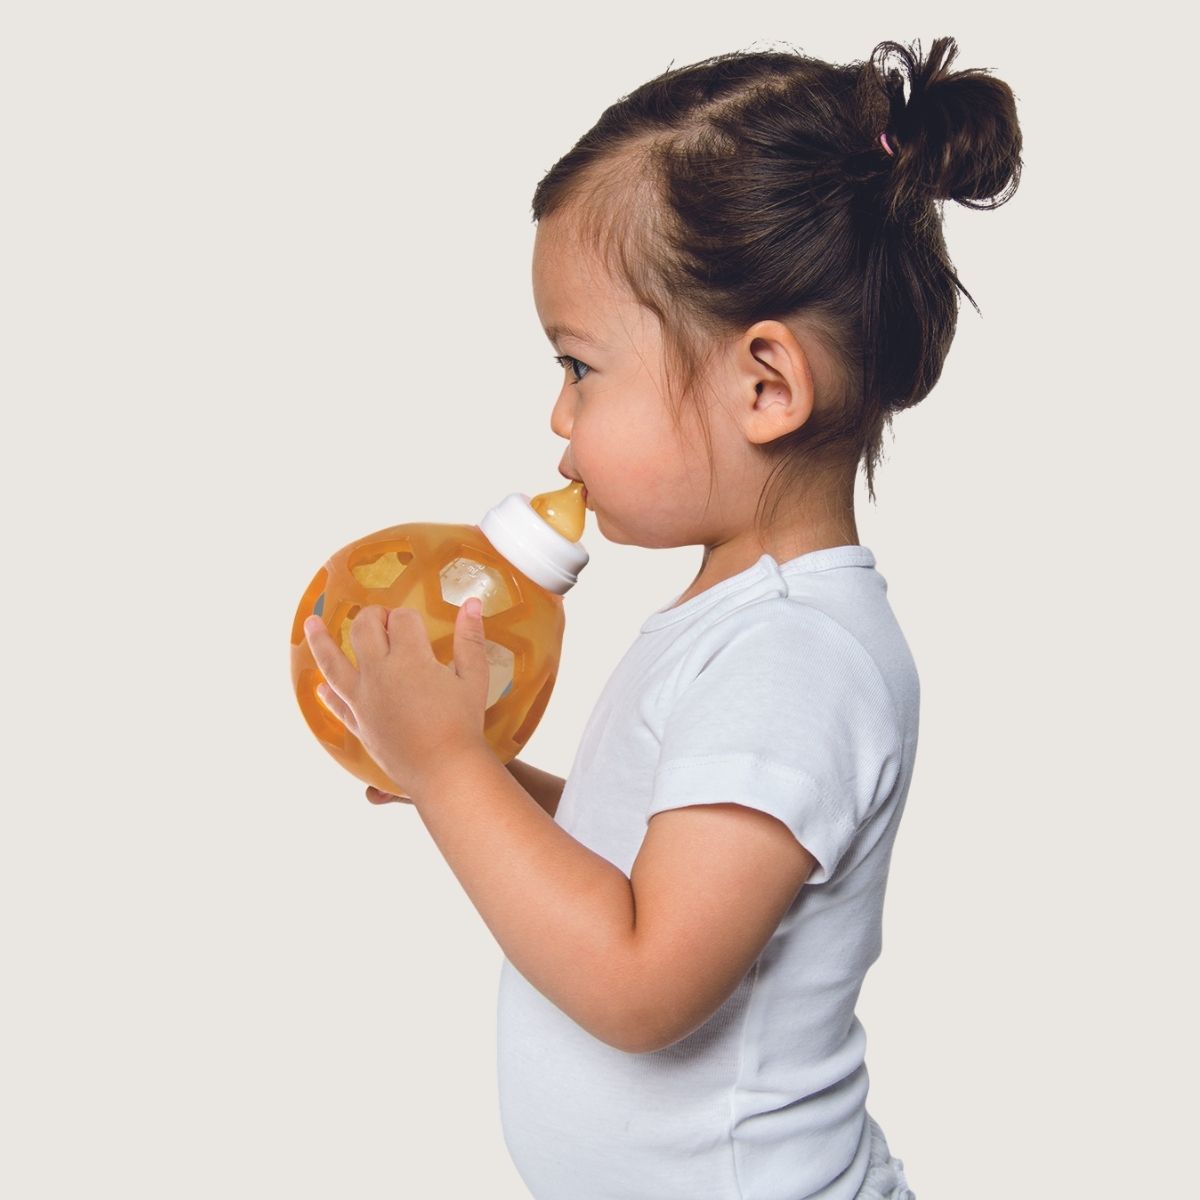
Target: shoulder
<point>776,666</point>
<point>783,616</point>
<point>780,635</point>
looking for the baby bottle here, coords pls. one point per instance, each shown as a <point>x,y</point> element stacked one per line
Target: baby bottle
<point>519,560</point>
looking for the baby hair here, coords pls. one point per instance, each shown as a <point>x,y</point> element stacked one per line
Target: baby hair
<point>756,185</point>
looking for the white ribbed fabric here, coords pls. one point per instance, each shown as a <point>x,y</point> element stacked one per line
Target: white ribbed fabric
<point>787,688</point>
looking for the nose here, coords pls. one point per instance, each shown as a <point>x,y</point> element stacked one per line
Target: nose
<point>562,416</point>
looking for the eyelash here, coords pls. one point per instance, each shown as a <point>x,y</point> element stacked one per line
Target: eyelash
<point>566,361</point>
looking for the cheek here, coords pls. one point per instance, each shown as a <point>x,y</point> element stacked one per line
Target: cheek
<point>613,454</point>
<point>624,452</point>
<point>635,476</point>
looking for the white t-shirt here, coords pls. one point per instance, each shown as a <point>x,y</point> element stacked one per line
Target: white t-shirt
<point>787,688</point>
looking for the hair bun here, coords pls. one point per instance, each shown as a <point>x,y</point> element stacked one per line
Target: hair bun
<point>955,136</point>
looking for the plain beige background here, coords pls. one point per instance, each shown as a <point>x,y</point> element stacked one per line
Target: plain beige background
<point>265,284</point>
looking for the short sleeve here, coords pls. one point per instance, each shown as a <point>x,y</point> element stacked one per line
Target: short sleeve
<point>789,714</point>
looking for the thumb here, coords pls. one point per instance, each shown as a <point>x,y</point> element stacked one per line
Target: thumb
<point>470,656</point>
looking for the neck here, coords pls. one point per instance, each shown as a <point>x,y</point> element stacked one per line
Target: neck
<point>731,556</point>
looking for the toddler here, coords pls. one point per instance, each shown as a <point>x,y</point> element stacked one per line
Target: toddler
<point>742,272</point>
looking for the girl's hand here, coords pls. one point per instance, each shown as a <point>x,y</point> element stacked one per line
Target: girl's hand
<point>408,710</point>
<point>377,797</point>
<point>346,717</point>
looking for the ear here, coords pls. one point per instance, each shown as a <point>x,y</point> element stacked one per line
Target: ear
<point>773,382</point>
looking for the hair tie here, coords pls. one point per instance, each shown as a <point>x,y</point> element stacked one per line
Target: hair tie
<point>883,139</point>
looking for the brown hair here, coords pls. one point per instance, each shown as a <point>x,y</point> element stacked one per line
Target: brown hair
<point>754,185</point>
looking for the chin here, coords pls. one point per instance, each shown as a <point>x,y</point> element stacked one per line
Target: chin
<point>607,530</point>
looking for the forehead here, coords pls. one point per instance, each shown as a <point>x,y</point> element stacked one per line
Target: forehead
<point>573,289</point>
<point>570,282</point>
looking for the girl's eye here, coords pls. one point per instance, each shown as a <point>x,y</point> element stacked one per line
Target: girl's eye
<point>566,361</point>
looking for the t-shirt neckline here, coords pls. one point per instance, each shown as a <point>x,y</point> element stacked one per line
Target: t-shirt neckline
<point>815,560</point>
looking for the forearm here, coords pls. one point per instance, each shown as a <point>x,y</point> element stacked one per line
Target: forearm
<point>562,914</point>
<point>544,787</point>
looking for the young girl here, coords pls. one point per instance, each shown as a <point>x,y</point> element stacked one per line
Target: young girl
<point>742,271</point>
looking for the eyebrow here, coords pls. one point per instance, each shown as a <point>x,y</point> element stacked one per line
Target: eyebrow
<point>555,332</point>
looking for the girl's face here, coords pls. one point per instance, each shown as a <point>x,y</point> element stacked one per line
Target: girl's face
<point>646,484</point>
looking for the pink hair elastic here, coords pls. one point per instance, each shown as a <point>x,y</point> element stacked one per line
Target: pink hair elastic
<point>883,139</point>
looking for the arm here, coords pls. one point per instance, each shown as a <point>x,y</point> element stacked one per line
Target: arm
<point>562,914</point>
<point>712,883</point>
<point>545,788</point>
<point>772,758</point>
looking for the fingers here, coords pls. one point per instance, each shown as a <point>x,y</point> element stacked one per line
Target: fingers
<point>338,707</point>
<point>470,650</point>
<point>368,631</point>
<point>377,797</point>
<point>332,663</point>
<point>406,629</point>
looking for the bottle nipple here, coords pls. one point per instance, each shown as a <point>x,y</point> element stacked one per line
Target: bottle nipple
<point>563,510</point>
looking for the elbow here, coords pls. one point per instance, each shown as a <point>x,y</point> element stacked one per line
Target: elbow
<point>644,1047</point>
<point>638,1044</point>
<point>646,1014</point>
<point>628,1028</point>
<point>641,1042</point>
<point>629,1017</point>
<point>631,1007</point>
<point>646,1030</point>
<point>660,1023</point>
